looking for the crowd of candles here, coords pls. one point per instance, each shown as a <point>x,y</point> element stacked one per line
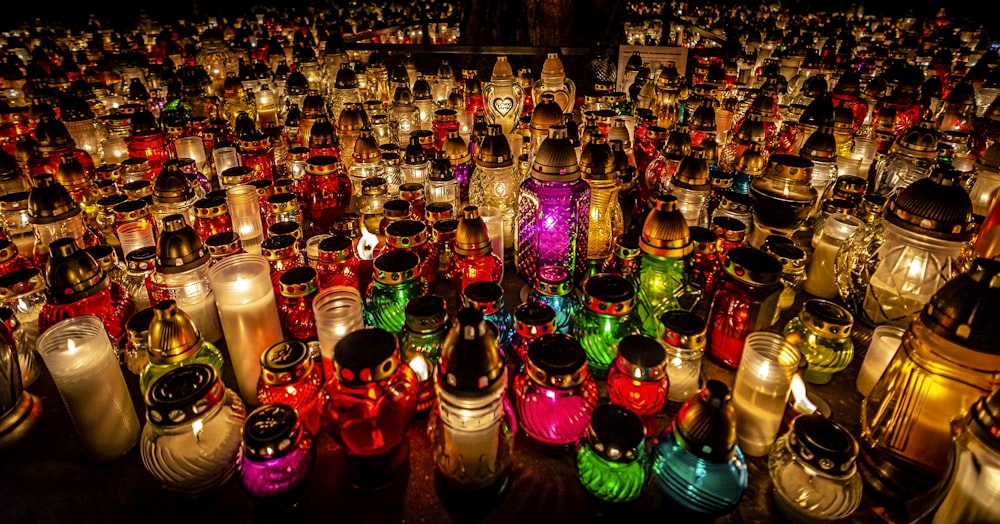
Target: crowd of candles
<point>310,210</point>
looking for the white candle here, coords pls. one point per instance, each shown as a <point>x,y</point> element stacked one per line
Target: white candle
<point>249,314</point>
<point>885,342</point>
<point>79,356</point>
<point>763,383</point>
<point>493,219</point>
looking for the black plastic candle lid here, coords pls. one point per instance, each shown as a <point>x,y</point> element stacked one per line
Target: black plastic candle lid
<point>823,444</point>
<point>271,431</point>
<point>277,242</point>
<point>426,313</point>
<point>609,288</point>
<point>183,393</point>
<point>642,351</point>
<point>405,228</point>
<point>534,313</point>
<point>616,433</point>
<point>334,243</point>
<point>483,292</point>
<point>396,261</point>
<point>557,354</point>
<point>366,355</point>
<point>284,356</point>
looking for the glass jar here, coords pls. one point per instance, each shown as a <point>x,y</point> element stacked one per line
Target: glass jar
<point>612,463</point>
<point>887,272</point>
<point>706,264</point>
<point>78,286</point>
<point>441,184</point>
<point>473,259</point>
<point>172,194</point>
<point>606,218</point>
<point>554,287</point>
<point>503,96</point>
<point>337,265</point>
<point>966,498</point>
<point>460,162</point>
<point>211,217</point>
<point>223,245</point>
<point>793,270</point>
<point>555,395</point>
<point>374,195</point>
<point>946,361</point>
<point>495,182</point>
<point>192,437</point>
<point>487,298</point>
<point>135,354</point>
<point>443,238</point>
<point>15,221</point>
<point>421,342</point>
<point>472,426</point>
<point>182,263</point>
<point>297,290</point>
<point>605,320</point>
<point>553,211</point>
<point>282,254</point>
<point>291,375</point>
<point>257,153</point>
<point>19,410</point>
<point>822,334</point>
<point>553,81</point>
<point>416,167</point>
<point>277,455</point>
<point>665,273</point>
<point>372,400</point>
<point>684,341</point>
<point>696,461</point>
<point>638,379</point>
<point>23,291</point>
<point>830,235</point>
<point>813,471</point>
<point>783,198</point>
<point>324,192</point>
<point>745,300</point>
<point>413,193</point>
<point>531,320</point>
<point>395,283</point>
<point>53,214</point>
<point>174,341</point>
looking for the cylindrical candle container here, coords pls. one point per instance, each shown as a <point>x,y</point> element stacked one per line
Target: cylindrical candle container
<point>336,263</point>
<point>249,314</point>
<point>79,356</point>
<point>193,147</point>
<point>884,344</point>
<point>244,209</point>
<point>295,303</point>
<point>225,158</point>
<point>826,241</point>
<point>338,311</point>
<point>638,378</point>
<point>745,300</point>
<point>684,340</point>
<point>290,375</point>
<point>493,218</point>
<point>555,394</point>
<point>372,400</point>
<point>763,382</point>
<point>191,440</point>
<point>612,463</point>
<point>277,456</point>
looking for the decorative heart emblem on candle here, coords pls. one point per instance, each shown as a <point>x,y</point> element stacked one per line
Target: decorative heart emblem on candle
<point>503,105</point>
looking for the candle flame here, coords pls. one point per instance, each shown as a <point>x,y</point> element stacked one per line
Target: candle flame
<point>242,284</point>
<point>802,404</point>
<point>419,366</point>
<point>70,346</point>
<point>196,427</point>
<point>366,246</point>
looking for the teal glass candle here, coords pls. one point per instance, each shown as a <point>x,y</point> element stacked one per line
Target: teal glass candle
<point>696,461</point>
<point>395,283</point>
<point>423,337</point>
<point>612,463</point>
<point>554,287</point>
<point>605,320</point>
<point>487,298</point>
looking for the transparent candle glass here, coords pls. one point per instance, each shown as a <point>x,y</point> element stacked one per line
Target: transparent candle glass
<point>884,344</point>
<point>338,312</point>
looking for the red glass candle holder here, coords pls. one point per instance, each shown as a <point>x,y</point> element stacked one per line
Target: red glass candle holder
<point>337,265</point>
<point>324,192</point>
<point>638,378</point>
<point>371,402</point>
<point>289,374</point>
<point>297,288</point>
<point>211,217</point>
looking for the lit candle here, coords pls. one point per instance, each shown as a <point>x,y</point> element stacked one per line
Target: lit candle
<point>249,314</point>
<point>225,158</point>
<point>885,342</point>
<point>83,365</point>
<point>493,218</point>
<point>193,147</point>
<point>244,208</point>
<point>763,382</point>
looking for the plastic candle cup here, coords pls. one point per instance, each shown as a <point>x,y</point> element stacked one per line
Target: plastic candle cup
<point>338,311</point>
<point>249,314</point>
<point>884,344</point>
<point>79,356</point>
<point>763,383</point>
